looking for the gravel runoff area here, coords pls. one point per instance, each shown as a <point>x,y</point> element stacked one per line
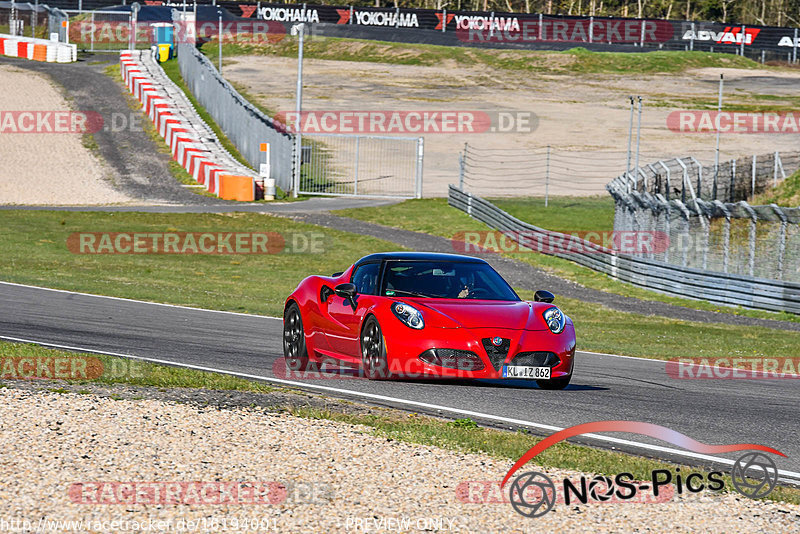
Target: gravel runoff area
<point>338,477</point>
<point>46,168</point>
<point>583,117</point>
<point>137,165</point>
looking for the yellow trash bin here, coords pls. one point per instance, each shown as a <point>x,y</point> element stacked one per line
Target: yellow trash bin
<point>163,52</point>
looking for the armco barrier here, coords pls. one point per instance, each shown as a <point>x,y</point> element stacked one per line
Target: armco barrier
<point>719,288</point>
<point>37,49</point>
<point>192,142</point>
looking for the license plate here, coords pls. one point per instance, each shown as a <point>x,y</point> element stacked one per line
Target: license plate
<point>519,371</point>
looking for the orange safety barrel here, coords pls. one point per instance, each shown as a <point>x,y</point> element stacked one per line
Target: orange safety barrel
<point>232,187</point>
<point>39,52</point>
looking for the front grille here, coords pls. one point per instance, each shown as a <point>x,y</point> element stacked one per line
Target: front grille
<point>536,359</point>
<point>497,355</point>
<point>463,360</point>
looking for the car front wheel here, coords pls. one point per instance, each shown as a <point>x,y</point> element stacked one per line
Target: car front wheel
<point>294,340</point>
<point>373,351</point>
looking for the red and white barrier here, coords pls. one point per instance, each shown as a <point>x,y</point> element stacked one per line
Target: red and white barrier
<point>191,141</point>
<point>37,49</point>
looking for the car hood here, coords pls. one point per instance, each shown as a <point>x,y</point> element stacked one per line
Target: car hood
<point>455,313</point>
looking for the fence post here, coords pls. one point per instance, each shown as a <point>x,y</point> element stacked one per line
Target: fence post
<point>691,41</point>
<point>420,157</point>
<point>744,37</point>
<point>547,178</point>
<point>669,185</point>
<point>91,46</point>
<point>684,180</point>
<point>444,20</point>
<point>726,239</point>
<point>794,48</point>
<point>540,26</point>
<point>355,181</point>
<point>733,181</point>
<point>461,171</point>
<point>775,171</point>
<point>781,239</point>
<point>668,212</point>
<point>752,241</point>
<point>591,29</point>
<point>753,174</point>
<point>630,140</point>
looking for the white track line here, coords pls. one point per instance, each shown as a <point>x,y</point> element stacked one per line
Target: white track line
<point>139,301</point>
<point>789,476</point>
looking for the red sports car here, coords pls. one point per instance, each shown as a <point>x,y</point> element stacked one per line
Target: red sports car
<point>412,314</point>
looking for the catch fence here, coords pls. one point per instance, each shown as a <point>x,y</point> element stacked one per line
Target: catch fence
<point>648,273</point>
<point>705,214</point>
<point>244,124</point>
<point>361,165</point>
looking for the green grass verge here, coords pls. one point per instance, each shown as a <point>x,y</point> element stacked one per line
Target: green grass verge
<point>786,194</point>
<point>114,370</point>
<point>434,216</point>
<point>573,61</point>
<point>35,252</point>
<point>562,214</point>
<point>462,435</point>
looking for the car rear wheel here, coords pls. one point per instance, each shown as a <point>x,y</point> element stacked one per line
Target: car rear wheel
<point>373,351</point>
<point>554,383</point>
<point>294,340</point>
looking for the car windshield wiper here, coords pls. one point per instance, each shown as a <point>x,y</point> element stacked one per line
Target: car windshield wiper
<point>410,293</point>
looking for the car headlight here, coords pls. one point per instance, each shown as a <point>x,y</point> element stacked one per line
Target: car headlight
<point>555,319</point>
<point>409,315</point>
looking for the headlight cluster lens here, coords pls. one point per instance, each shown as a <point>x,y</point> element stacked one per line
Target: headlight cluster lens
<point>555,319</point>
<point>411,316</point>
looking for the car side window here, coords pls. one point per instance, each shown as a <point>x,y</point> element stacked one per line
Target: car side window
<point>366,278</point>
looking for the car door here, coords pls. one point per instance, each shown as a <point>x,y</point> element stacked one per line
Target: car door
<point>344,335</point>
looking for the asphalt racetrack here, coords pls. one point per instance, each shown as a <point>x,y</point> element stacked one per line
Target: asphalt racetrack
<point>604,387</point>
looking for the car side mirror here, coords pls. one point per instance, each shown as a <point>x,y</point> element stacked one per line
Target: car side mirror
<point>348,292</point>
<point>543,296</point>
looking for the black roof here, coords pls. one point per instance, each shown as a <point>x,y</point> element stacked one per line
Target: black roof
<point>417,256</point>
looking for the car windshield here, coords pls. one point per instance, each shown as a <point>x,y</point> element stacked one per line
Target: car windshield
<point>445,280</point>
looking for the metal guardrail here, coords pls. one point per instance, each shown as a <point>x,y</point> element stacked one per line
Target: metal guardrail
<point>244,124</point>
<point>719,288</point>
